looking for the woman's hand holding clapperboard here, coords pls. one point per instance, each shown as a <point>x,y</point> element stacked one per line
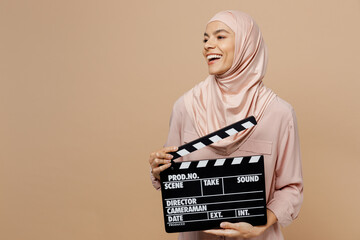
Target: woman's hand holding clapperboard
<point>160,160</point>
<point>243,229</point>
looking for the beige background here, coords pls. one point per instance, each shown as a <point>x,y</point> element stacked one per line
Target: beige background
<point>86,91</point>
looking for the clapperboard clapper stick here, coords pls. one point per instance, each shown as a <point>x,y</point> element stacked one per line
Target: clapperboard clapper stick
<point>199,195</point>
<point>213,137</point>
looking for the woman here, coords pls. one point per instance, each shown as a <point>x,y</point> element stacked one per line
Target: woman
<point>237,57</point>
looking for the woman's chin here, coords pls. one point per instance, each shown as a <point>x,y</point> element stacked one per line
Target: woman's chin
<point>215,72</point>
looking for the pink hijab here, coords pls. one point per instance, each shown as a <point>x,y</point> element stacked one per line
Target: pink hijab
<point>221,100</point>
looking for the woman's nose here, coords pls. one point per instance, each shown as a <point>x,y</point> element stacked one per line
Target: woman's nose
<point>209,44</point>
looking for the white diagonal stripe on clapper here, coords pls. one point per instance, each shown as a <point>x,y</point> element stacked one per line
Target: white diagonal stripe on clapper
<point>199,145</point>
<point>231,131</point>
<point>254,159</point>
<point>247,124</point>
<point>202,163</point>
<point>185,165</point>
<point>183,152</point>
<point>215,138</point>
<point>237,160</point>
<point>219,162</point>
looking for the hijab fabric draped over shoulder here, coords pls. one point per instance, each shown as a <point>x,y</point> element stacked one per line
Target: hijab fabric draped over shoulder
<point>221,100</point>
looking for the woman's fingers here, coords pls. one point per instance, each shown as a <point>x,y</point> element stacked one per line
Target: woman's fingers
<point>170,149</point>
<point>240,229</point>
<point>156,171</point>
<point>227,225</point>
<point>157,158</point>
<point>161,168</point>
<point>222,232</point>
<point>161,160</point>
<point>158,161</point>
<point>162,153</point>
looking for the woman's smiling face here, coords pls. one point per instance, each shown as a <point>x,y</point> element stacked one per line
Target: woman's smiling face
<point>219,47</point>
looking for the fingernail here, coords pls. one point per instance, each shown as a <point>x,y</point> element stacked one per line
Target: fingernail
<point>168,161</point>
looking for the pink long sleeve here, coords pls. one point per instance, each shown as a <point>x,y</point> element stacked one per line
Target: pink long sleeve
<point>288,194</point>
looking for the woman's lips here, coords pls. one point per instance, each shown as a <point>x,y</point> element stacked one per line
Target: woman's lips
<point>213,61</point>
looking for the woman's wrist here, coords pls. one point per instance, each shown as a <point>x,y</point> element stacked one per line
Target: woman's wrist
<point>271,219</point>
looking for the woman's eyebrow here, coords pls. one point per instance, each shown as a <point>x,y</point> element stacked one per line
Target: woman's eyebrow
<point>216,32</point>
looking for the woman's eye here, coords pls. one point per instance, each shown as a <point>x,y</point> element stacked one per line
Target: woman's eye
<point>218,37</point>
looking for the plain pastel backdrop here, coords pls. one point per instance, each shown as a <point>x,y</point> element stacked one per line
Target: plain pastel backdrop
<point>86,91</point>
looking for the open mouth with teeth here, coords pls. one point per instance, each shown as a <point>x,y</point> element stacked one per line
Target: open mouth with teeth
<point>213,57</point>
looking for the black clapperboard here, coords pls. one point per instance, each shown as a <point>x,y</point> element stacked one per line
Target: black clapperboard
<point>199,195</point>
